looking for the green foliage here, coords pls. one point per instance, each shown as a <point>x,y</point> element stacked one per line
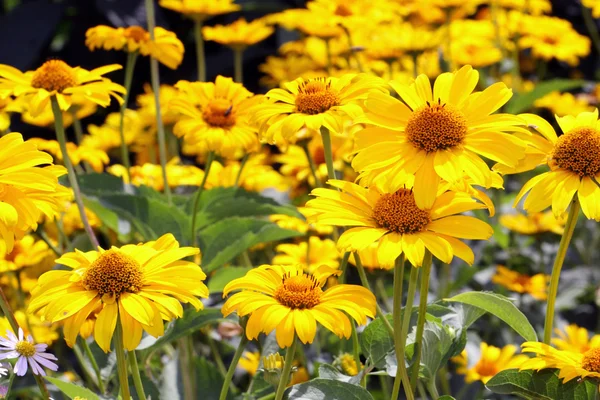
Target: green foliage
<point>524,101</point>
<point>376,341</point>
<point>208,380</point>
<point>327,389</point>
<point>327,371</point>
<point>71,390</point>
<point>542,385</point>
<point>223,276</point>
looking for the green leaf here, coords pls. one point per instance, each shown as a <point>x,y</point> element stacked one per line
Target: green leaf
<point>501,307</point>
<point>191,321</point>
<point>327,371</point>
<point>544,384</point>
<point>223,276</point>
<point>220,203</point>
<point>524,101</point>
<point>437,348</point>
<point>327,389</point>
<point>230,237</point>
<point>376,341</point>
<point>208,380</point>
<point>446,397</point>
<point>71,390</point>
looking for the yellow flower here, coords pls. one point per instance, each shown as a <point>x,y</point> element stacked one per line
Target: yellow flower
<point>553,38</point>
<point>256,176</point>
<point>571,364</point>
<point>78,154</point>
<point>7,105</point>
<point>535,285</point>
<point>573,159</point>
<point>400,225</point>
<point>347,364</point>
<point>575,339</point>
<point>107,136</point>
<point>594,5</point>
<point>215,116</point>
<point>27,191</point>
<point>42,331</point>
<point>562,104</point>
<point>533,224</point>
<point>57,78</point>
<point>165,47</point>
<point>250,362</point>
<point>319,252</point>
<point>240,34</point>
<point>290,67</point>
<point>147,106</point>
<point>355,14</point>
<point>26,252</point>
<point>308,22</point>
<point>141,284</point>
<point>151,174</point>
<point>80,108</point>
<point>474,43</point>
<point>533,7</point>
<point>286,299</point>
<point>301,225</point>
<point>368,258</point>
<point>200,10</point>
<point>491,361</point>
<point>439,134</point>
<point>312,103</point>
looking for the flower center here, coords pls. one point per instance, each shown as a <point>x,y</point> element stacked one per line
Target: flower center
<point>399,213</point>
<point>114,273</point>
<point>25,348</point>
<point>315,97</point>
<point>298,291</point>
<point>591,360</point>
<point>578,151</point>
<point>219,113</point>
<point>487,368</point>
<point>343,10</point>
<point>436,127</point>
<point>136,33</point>
<point>54,75</point>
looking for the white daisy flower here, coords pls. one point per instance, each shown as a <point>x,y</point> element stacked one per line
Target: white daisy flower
<point>27,352</point>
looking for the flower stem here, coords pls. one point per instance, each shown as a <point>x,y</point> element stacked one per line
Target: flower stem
<point>155,78</point>
<point>448,24</point>
<point>329,62</point>
<point>84,366</point>
<point>415,58</point>
<point>287,369</point>
<point>62,141</point>
<point>234,362</point>
<point>311,163</point>
<point>421,320</point>
<point>326,137</point>
<point>129,67</point>
<point>344,267</point>
<point>200,58</point>
<point>401,326</point>
<point>238,65</point>
<point>135,372</point>
<point>356,349</point>
<point>90,355</point>
<point>242,165</point>
<point>558,263</point>
<point>42,235</point>
<point>121,362</point>
<point>209,159</point>
<point>591,26</point>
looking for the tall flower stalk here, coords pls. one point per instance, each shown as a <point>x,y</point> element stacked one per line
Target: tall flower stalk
<point>200,57</point>
<point>129,68</point>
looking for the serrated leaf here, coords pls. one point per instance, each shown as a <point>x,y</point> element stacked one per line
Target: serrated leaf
<point>376,341</point>
<point>72,390</point>
<point>501,307</point>
<point>223,276</point>
<point>327,371</point>
<point>228,238</point>
<point>544,384</point>
<point>524,101</point>
<point>327,389</point>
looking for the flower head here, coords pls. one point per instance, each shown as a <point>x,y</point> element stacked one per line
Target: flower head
<point>311,255</point>
<point>491,361</point>
<point>27,352</point>
<point>200,10</point>
<point>250,362</point>
<point>286,299</point>
<point>571,364</point>
<point>140,284</point>
<point>55,78</point>
<point>575,338</point>
<point>533,224</point>
<point>240,34</point>
<point>535,285</point>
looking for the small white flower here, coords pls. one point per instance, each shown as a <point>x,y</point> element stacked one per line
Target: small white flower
<point>3,371</point>
<point>27,352</point>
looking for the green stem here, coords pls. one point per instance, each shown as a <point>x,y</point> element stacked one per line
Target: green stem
<point>121,361</point>
<point>84,366</point>
<point>200,58</point>
<point>234,362</point>
<point>329,62</point>
<point>443,377</point>
<point>129,67</point>
<point>326,137</point>
<point>238,65</point>
<point>186,354</point>
<point>380,292</point>
<point>591,26</point>
<point>365,282</point>
<point>448,55</point>
<point>79,137</point>
<point>351,47</point>
<point>311,163</point>
<point>433,390</point>
<point>155,78</point>
<point>421,319</point>
<point>355,347</point>
<point>10,383</point>
<point>558,263</point>
<point>242,165</point>
<point>217,355</point>
<point>344,267</point>
<point>401,333</point>
<point>62,141</point>
<point>385,387</point>
<point>209,159</point>
<point>415,57</point>
<point>135,372</point>
<point>92,359</point>
<point>42,235</point>
<point>287,369</point>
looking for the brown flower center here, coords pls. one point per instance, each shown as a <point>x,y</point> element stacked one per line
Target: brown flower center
<point>436,127</point>
<point>114,273</point>
<point>487,368</point>
<point>343,10</point>
<point>578,151</point>
<point>136,33</point>
<point>298,291</point>
<point>219,113</point>
<point>54,75</point>
<point>25,348</point>
<point>399,213</point>
<point>591,360</point>
<point>315,96</point>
